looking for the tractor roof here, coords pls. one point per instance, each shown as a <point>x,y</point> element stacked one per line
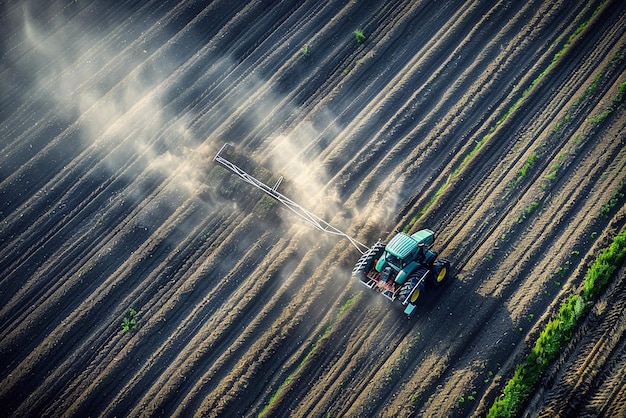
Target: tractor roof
<point>402,244</point>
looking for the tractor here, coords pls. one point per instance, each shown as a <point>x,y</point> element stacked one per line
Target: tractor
<point>403,268</point>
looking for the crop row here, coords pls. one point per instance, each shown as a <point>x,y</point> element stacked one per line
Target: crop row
<point>516,104</point>
<point>558,331</point>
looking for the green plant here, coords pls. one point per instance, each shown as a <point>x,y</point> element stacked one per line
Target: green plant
<point>561,122</point>
<point>130,322</point>
<point>604,266</point>
<point>305,50</point>
<point>359,36</point>
<point>527,164</point>
<point>349,302</point>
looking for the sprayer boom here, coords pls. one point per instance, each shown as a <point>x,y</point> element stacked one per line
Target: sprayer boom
<point>301,212</point>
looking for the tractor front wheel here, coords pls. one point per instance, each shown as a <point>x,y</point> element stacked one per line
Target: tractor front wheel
<point>441,271</point>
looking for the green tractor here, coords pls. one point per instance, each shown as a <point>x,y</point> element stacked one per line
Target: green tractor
<point>403,268</point>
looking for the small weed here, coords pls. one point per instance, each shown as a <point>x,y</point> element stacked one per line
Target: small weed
<point>616,197</point>
<point>528,210</point>
<point>305,50</point>
<point>359,36</point>
<point>594,234</point>
<point>555,167</point>
<point>561,122</point>
<point>527,164</point>
<point>531,316</point>
<point>129,322</point>
<point>489,376</point>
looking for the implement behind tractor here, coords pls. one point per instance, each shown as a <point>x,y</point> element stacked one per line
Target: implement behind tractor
<point>400,270</point>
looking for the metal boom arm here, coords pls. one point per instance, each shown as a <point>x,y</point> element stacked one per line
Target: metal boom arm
<point>304,214</point>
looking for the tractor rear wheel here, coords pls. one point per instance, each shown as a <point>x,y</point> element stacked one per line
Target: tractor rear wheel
<point>367,260</point>
<point>441,271</point>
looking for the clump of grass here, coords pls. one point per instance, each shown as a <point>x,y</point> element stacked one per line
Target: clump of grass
<point>604,267</point>
<point>523,171</point>
<point>590,89</point>
<point>616,100</point>
<point>359,36</point>
<point>348,303</point>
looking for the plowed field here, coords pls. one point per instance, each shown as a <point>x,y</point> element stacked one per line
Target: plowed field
<point>499,125</point>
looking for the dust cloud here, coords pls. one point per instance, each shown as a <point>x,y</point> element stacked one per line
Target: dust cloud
<point>149,110</point>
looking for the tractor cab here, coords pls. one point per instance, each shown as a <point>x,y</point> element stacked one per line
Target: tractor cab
<point>404,253</point>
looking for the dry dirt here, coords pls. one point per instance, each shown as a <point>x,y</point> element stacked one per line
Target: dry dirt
<point>487,118</point>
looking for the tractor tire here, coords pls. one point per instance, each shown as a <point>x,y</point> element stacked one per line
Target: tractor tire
<point>418,278</point>
<point>441,271</point>
<point>367,260</point>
